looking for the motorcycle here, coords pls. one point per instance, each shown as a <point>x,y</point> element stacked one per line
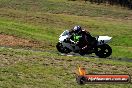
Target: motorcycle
<point>101,49</point>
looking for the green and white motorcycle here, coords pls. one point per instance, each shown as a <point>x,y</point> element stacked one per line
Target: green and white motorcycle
<point>102,49</point>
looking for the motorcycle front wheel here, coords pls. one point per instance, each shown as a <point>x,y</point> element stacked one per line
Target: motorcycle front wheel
<point>62,49</point>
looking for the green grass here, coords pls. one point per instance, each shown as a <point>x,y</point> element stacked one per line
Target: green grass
<point>122,51</point>
<point>63,6</point>
<point>43,69</point>
<point>19,29</point>
<point>54,24</point>
<point>43,21</point>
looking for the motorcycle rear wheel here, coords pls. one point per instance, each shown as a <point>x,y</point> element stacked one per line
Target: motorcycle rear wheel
<point>103,51</point>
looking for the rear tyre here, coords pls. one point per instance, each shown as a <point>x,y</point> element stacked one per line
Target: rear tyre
<point>82,53</point>
<point>103,51</point>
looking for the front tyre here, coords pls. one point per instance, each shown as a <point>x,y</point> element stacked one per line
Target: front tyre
<point>62,49</point>
<point>103,51</point>
<point>59,47</point>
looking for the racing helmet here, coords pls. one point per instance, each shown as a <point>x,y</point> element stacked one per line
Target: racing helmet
<point>77,29</point>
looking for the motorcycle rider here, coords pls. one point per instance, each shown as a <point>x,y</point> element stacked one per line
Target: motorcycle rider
<point>83,38</point>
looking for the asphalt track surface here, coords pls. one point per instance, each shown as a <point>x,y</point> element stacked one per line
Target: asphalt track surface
<point>91,56</point>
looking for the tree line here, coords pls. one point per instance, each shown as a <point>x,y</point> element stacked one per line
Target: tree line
<point>122,3</point>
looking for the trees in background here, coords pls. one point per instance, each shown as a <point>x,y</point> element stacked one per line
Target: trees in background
<point>122,3</point>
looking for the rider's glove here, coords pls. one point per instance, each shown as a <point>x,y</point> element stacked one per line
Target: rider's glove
<point>77,42</point>
<point>66,40</point>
